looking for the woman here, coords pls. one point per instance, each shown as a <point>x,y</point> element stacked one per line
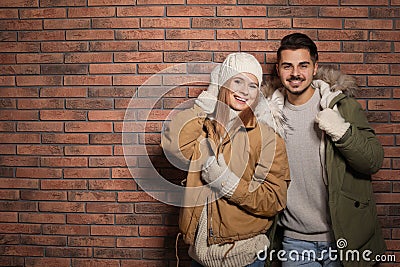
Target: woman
<point>237,166</point>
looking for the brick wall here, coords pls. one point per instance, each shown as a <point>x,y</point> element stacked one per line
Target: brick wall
<point>69,70</point>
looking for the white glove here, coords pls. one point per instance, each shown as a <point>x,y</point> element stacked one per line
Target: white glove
<point>218,175</point>
<point>208,99</point>
<point>332,123</point>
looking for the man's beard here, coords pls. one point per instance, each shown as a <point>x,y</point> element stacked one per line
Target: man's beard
<point>297,93</point>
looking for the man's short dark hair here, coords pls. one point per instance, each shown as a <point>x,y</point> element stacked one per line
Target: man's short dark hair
<point>296,41</point>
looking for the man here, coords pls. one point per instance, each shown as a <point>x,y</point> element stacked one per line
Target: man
<point>330,218</point>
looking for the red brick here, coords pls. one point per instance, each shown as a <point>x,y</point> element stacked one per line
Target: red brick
<point>64,161</point>
<point>17,47</point>
<point>114,230</point>
<point>6,127</point>
<point>19,69</point>
<point>40,104</point>
<point>142,242</point>
<point>157,231</point>
<point>39,262</point>
<point>112,92</point>
<point>86,173</point>
<point>139,219</point>
<point>109,208</point>
<point>367,24</point>
<point>44,240</point>
<point>87,80</point>
<point>61,207</point>
<point>88,127</point>
<point>43,13</point>
<point>207,2</point>
<point>120,23</point>
<point>19,115</point>
<point>68,252</point>
<point>112,68</point>
<point>388,35</point>
<point>8,217</point>
<point>9,13</point>
<point>20,228</point>
<point>191,11</point>
<point>140,11</point>
<point>40,126</point>
<point>43,195</point>
<point>39,150</point>
<point>7,81</point>
<point>91,12</point>
<point>241,34</point>
<point>64,47</point>
<point>112,115</point>
<point>55,24</point>
<point>105,138</point>
<point>383,81</point>
<point>383,104</point>
<point>165,22</point>
<point>387,175</point>
<point>62,115</point>
<point>262,23</point>
<point>19,161</point>
<point>63,184</point>
<point>65,138</point>
<point>190,34</point>
<point>92,196</point>
<point>88,58</point>
<point>9,58</point>
<point>364,69</point>
<point>19,138</point>
<point>89,35</point>
<point>17,25</point>
<point>42,218</point>
<point>90,241</point>
<point>124,253</point>
<point>384,12</point>
<point>88,150</point>
<point>63,92</point>
<point>320,23</point>
<point>114,45</point>
<point>23,251</point>
<point>89,103</point>
<point>9,194</point>
<point>52,3</point>
<point>112,185</point>
<point>140,34</point>
<point>342,57</point>
<point>352,12</point>
<point>107,162</point>
<point>39,80</point>
<point>42,36</point>
<point>216,23</point>
<point>8,149</point>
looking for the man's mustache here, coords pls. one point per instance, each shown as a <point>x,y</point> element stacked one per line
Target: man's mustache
<point>295,78</point>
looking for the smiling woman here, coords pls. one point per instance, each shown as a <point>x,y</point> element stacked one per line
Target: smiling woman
<point>230,198</point>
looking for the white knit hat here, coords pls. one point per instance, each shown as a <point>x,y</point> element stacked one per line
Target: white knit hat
<point>236,63</point>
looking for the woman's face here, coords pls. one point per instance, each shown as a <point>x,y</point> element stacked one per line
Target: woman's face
<point>243,91</point>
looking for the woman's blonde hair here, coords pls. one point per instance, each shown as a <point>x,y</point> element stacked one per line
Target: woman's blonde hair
<point>222,113</point>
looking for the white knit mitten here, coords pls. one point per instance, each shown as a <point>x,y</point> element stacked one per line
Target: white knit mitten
<point>208,99</point>
<point>218,175</point>
<point>332,123</point>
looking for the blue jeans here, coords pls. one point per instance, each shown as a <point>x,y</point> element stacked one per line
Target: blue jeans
<point>257,263</point>
<point>309,253</point>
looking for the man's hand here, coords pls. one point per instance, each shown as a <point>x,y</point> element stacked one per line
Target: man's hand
<point>332,123</point>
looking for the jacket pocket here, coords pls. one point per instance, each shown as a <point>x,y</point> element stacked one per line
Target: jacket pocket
<point>355,218</point>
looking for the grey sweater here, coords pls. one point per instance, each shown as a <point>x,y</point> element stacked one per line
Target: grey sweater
<point>307,216</point>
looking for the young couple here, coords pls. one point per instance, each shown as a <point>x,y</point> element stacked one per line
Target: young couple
<point>300,147</point>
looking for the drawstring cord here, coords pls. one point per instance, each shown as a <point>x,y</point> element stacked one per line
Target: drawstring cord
<point>176,249</point>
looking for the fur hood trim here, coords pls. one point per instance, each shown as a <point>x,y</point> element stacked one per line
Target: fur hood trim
<point>268,112</point>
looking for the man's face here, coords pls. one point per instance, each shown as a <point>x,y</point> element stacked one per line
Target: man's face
<point>296,71</point>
